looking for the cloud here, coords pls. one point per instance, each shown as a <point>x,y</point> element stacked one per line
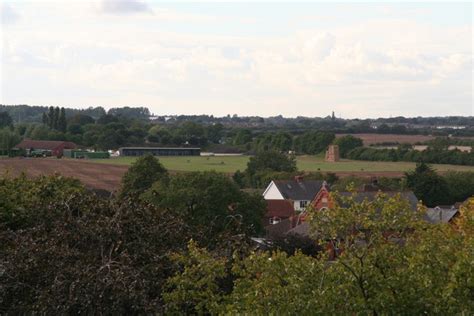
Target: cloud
<point>178,61</point>
<point>7,14</point>
<point>125,7</point>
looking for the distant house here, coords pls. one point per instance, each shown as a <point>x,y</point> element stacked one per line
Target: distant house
<point>56,147</point>
<point>298,191</point>
<point>159,151</point>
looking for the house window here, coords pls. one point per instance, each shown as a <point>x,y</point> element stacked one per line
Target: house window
<point>303,204</point>
<point>274,220</point>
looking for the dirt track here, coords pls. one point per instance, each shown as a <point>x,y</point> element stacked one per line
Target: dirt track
<point>98,176</point>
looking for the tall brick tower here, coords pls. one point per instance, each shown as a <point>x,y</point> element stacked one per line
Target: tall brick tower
<point>332,153</point>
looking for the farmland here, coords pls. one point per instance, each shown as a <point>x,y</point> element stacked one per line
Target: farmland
<point>230,164</point>
<point>107,173</point>
<point>370,139</point>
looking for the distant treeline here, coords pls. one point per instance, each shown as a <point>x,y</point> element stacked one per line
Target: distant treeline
<point>406,153</point>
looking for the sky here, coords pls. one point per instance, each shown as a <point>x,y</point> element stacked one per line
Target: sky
<point>263,58</point>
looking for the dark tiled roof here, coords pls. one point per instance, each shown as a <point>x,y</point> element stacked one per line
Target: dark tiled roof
<point>44,144</point>
<point>298,189</point>
<point>279,208</point>
<point>302,230</point>
<point>279,229</point>
<point>370,196</point>
<point>440,215</point>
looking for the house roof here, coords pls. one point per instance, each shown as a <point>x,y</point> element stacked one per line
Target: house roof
<point>44,144</point>
<point>370,196</point>
<point>279,208</point>
<point>298,189</point>
<point>302,230</point>
<point>280,228</point>
<point>440,215</point>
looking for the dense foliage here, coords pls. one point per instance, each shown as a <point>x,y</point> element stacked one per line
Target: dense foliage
<point>141,175</point>
<point>183,248</point>
<point>407,153</point>
<point>391,263</point>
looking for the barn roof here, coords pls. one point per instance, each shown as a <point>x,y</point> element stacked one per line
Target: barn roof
<point>44,144</point>
<point>298,189</point>
<point>279,208</point>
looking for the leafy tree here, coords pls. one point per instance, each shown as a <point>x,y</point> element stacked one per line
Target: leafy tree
<point>62,123</point>
<point>460,186</point>
<point>313,142</point>
<point>84,255</point>
<point>210,201</point>
<point>5,120</point>
<point>265,161</point>
<point>51,117</point>
<point>8,140</point>
<point>347,143</point>
<point>242,137</point>
<point>387,266</point>
<point>22,197</point>
<point>141,175</point>
<point>427,185</point>
<point>55,124</point>
<point>106,119</point>
<point>81,119</point>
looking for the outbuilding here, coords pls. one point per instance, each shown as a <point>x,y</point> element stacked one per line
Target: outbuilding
<point>160,151</point>
<point>55,147</point>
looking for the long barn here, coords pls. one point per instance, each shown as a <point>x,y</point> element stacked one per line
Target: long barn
<point>159,151</point>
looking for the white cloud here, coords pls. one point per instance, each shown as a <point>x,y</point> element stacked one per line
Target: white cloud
<point>374,68</point>
<point>7,14</point>
<point>124,6</point>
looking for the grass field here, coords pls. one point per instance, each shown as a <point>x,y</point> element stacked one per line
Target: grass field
<point>230,164</point>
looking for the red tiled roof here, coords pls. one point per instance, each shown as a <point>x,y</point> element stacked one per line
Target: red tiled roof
<point>279,208</point>
<point>44,144</point>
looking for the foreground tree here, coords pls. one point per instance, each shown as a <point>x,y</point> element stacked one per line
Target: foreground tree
<point>391,263</point>
<point>83,255</point>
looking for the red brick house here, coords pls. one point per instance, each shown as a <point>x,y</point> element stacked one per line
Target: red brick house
<point>277,211</point>
<point>56,147</point>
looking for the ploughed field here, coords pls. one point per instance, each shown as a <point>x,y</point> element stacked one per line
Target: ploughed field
<point>93,175</point>
<point>106,173</point>
<point>370,139</point>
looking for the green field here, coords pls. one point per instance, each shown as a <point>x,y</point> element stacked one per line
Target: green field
<point>230,164</point>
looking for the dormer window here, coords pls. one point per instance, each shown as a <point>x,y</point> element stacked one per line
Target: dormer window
<point>274,220</point>
<point>303,204</point>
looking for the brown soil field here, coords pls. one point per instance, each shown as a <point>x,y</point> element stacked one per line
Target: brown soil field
<point>107,176</point>
<point>96,176</point>
<point>370,139</point>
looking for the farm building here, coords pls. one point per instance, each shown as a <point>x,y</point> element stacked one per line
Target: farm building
<point>159,151</point>
<point>56,147</point>
<point>77,153</point>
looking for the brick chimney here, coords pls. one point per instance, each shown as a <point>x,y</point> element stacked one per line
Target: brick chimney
<point>299,178</point>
